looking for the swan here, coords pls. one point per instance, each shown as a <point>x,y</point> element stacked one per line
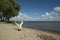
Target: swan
<point>19,25</point>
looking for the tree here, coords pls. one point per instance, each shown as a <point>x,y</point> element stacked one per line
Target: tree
<point>9,8</point>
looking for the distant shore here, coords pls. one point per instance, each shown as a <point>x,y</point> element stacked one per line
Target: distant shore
<point>9,31</point>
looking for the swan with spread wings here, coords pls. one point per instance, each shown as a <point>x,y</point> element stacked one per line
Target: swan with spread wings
<point>19,25</point>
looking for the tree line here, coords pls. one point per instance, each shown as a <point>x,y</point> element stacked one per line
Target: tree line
<point>8,9</point>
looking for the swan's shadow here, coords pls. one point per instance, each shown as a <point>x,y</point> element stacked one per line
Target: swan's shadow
<point>17,29</point>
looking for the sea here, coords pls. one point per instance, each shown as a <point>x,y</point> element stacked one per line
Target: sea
<point>43,25</point>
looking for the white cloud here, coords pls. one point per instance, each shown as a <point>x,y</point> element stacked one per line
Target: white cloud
<point>43,15</point>
<point>57,9</point>
<point>21,17</point>
<point>52,16</point>
<point>48,16</point>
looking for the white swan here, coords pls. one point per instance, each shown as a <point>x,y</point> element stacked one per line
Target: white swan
<point>19,25</point>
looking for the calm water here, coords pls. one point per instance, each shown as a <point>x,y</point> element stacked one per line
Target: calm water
<point>47,25</point>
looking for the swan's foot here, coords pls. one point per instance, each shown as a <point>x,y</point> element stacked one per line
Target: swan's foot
<point>19,29</point>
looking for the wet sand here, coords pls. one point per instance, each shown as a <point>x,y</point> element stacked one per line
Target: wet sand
<point>9,31</point>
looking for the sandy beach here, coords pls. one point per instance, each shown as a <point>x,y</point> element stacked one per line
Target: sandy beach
<point>9,31</point>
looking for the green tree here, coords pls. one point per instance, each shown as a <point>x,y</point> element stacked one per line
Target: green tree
<point>9,8</point>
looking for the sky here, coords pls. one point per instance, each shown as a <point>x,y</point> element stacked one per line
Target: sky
<point>38,10</point>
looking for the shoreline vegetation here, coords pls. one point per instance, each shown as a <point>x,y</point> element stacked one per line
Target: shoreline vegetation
<point>8,31</point>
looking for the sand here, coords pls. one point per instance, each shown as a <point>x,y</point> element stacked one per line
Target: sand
<point>9,31</point>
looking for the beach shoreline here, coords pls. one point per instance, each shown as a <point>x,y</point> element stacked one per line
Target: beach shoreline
<point>9,31</point>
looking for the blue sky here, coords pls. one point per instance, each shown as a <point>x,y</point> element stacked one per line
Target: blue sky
<point>39,10</point>
<point>36,8</point>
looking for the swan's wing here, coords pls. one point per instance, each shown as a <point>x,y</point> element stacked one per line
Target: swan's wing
<point>21,23</point>
<point>17,24</point>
